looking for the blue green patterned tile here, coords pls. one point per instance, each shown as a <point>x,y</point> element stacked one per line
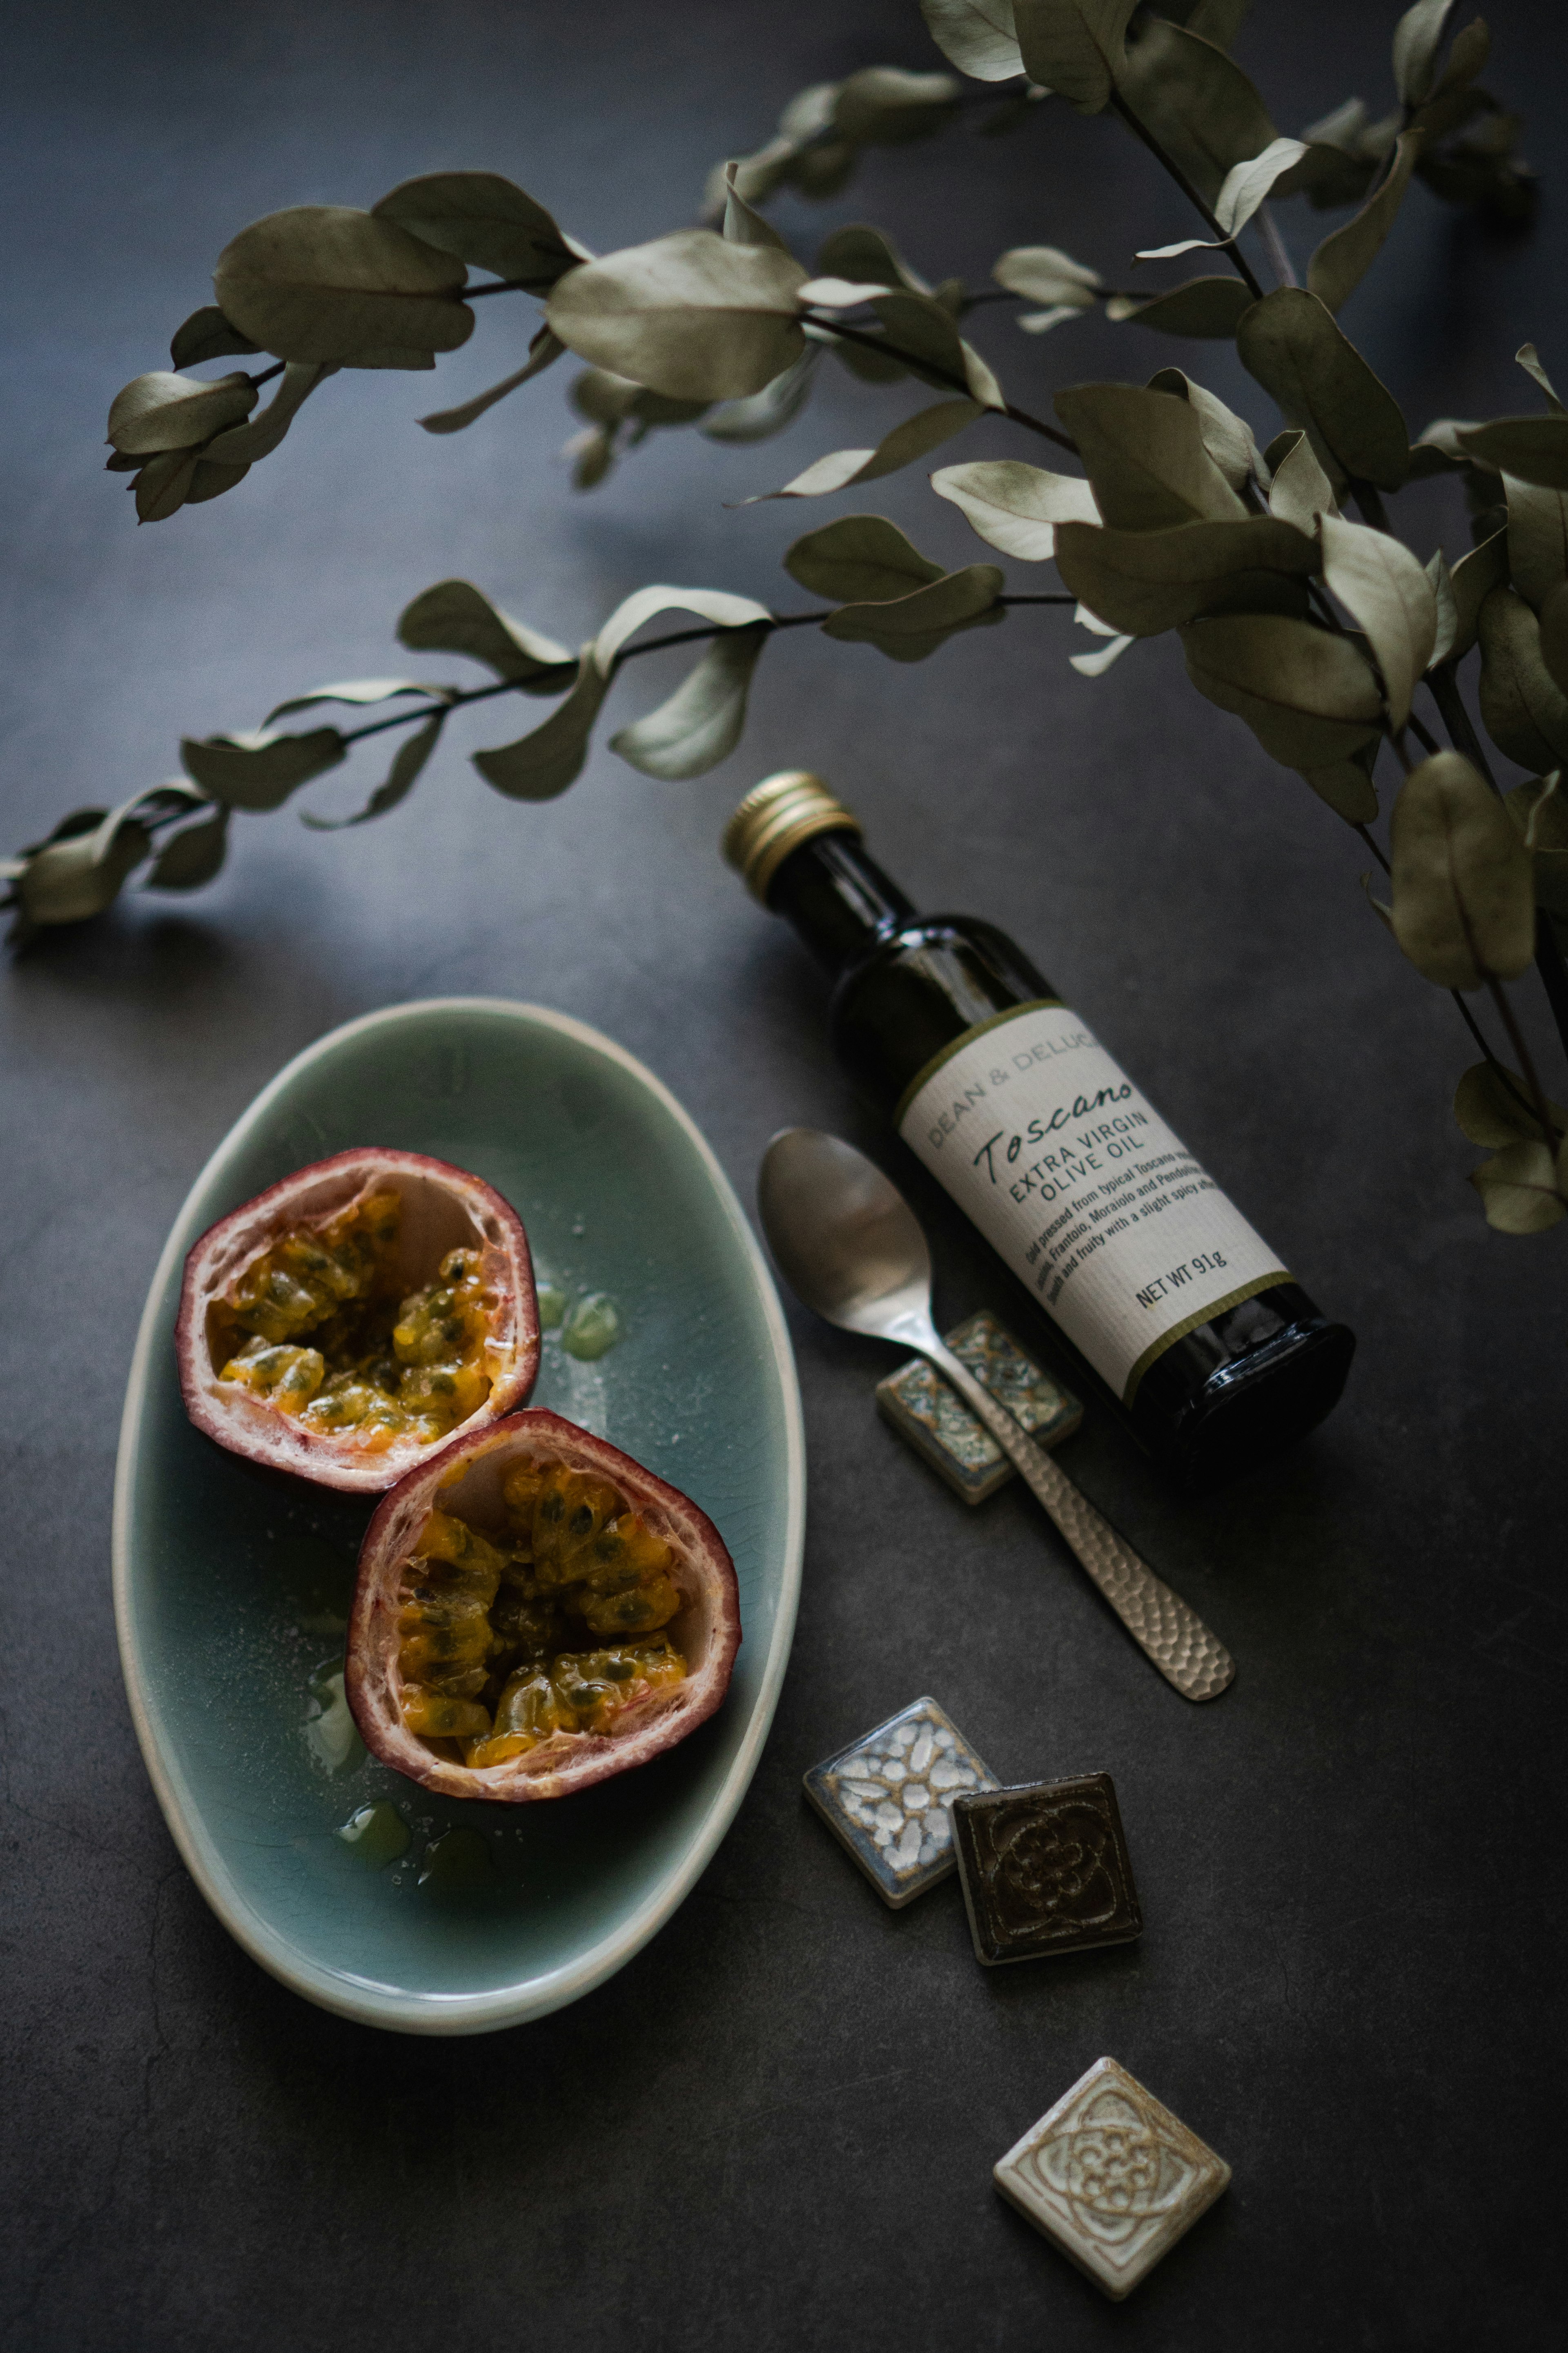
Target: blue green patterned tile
<point>945,1433</point>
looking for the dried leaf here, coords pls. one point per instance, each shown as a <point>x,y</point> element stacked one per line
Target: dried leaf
<point>1523,711</point>
<point>1523,1189</point>
<point>978,36</point>
<point>1348,788</point>
<point>885,106</point>
<point>1145,458</point>
<point>326,283</point>
<point>205,335</point>
<point>1540,810</point>
<point>1386,593</point>
<point>543,351</point>
<point>918,434</point>
<point>192,856</point>
<point>1196,102</point>
<point>1307,696</point>
<point>455,618</point>
<point>1473,579</point>
<point>1075,48</point>
<point>485,220</point>
<point>1294,348</point>
<point>1143,582</point>
<point>159,411</point>
<point>1437,450</point>
<point>1245,187</point>
<point>1537,538</point>
<point>715,605</point>
<point>741,225</point>
<point>762,414</point>
<point>908,628</point>
<point>1463,907</point>
<point>1442,581</point>
<point>1017,507</point>
<point>360,691</point>
<point>861,255</point>
<point>1217,20</point>
<point>922,334</point>
<point>1493,1107</point>
<point>1529,359</point>
<point>1205,308</point>
<point>1095,665</point>
<point>163,485</point>
<point>1535,448</point>
<point>399,782</point>
<point>1043,273</point>
<point>702,721</point>
<point>1300,490</point>
<point>80,871</point>
<point>1227,438</point>
<point>543,764</point>
<point>689,315</point>
<point>211,481</point>
<point>243,444</point>
<point>1417,37</point>
<point>859,559</point>
<point>260,771</point>
<point>1343,258</point>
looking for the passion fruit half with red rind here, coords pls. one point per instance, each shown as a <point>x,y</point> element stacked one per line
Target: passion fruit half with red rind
<point>535,1612</point>
<point>349,1322</point>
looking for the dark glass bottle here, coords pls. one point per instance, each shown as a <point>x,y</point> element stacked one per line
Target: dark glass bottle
<point>917,998</point>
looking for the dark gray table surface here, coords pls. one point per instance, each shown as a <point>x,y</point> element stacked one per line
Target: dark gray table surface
<point>775,2129</point>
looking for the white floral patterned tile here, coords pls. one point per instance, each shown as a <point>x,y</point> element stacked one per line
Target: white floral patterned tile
<point>1111,2178</point>
<point>888,1798</point>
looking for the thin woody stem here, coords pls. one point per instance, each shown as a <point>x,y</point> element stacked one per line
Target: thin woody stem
<point>630,653</point>
<point>1551,1133</point>
<point>1239,261</point>
<point>890,351</point>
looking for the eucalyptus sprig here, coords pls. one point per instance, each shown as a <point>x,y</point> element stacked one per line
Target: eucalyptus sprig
<point>1298,608</point>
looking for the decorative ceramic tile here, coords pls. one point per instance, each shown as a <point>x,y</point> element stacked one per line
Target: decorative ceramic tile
<point>1111,2178</point>
<point>1045,1869</point>
<point>888,1799</point>
<point>940,1427</point>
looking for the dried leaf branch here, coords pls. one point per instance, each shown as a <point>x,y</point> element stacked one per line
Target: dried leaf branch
<point>1320,631</point>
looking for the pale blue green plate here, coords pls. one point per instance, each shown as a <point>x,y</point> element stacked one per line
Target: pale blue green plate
<point>232,1583</point>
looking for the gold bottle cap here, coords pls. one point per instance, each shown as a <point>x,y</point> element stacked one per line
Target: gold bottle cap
<point>776,817</point>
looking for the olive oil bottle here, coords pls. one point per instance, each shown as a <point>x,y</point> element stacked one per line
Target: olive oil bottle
<point>1169,1304</point>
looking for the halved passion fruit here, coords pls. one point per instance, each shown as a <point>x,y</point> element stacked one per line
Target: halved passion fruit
<point>536,1611</point>
<point>351,1320</point>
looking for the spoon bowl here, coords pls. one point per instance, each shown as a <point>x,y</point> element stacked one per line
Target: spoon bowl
<point>851,1247</point>
<point>846,1239</point>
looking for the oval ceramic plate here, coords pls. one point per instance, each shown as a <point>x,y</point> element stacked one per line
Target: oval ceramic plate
<point>232,1583</point>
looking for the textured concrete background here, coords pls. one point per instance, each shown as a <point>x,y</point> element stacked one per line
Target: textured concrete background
<point>774,2128</point>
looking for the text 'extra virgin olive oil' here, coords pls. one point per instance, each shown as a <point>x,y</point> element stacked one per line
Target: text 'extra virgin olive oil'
<point>1174,1308</point>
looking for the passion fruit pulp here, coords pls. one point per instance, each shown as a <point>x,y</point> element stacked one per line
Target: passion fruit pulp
<point>349,1321</point>
<point>536,1611</point>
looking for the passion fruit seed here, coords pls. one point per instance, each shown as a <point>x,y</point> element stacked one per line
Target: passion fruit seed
<point>490,1648</point>
<point>376,1369</point>
<point>592,1328</point>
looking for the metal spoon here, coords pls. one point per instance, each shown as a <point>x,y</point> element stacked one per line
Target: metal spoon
<point>849,1245</point>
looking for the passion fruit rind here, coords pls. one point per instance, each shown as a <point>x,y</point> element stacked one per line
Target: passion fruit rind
<point>464,1484</point>
<point>449,1231</point>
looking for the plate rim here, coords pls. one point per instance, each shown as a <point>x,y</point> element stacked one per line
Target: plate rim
<point>364,1999</point>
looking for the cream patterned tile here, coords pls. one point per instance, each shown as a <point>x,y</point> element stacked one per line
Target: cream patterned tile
<point>887,1799</point>
<point>1111,2178</point>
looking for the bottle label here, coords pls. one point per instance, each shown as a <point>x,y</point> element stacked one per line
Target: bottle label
<point>1076,1180</point>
